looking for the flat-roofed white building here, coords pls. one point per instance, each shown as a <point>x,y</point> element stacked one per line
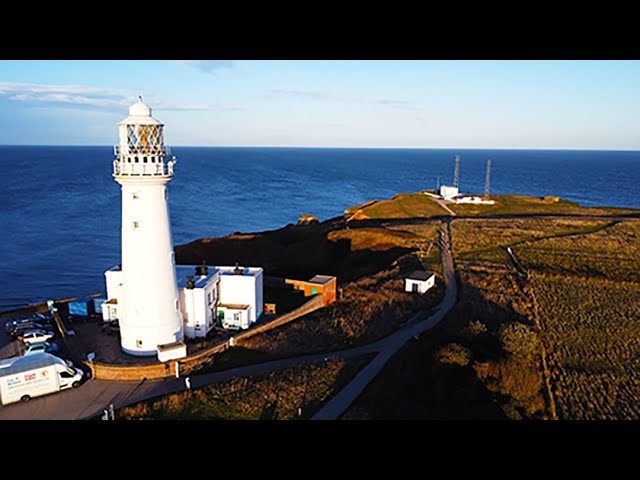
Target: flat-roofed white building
<point>230,297</point>
<point>241,296</point>
<point>448,193</point>
<point>419,281</point>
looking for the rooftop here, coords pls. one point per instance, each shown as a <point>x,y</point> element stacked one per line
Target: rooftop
<point>201,281</point>
<point>321,279</point>
<point>420,275</point>
<point>234,306</point>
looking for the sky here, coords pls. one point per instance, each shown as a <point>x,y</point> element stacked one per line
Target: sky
<point>322,103</point>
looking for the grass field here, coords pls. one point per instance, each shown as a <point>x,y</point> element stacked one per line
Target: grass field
<point>582,297</point>
<point>592,332</point>
<point>612,253</point>
<point>294,393</point>
<point>403,205</point>
<point>525,205</point>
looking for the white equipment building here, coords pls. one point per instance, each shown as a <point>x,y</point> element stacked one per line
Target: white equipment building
<point>448,193</point>
<point>230,297</point>
<point>148,309</point>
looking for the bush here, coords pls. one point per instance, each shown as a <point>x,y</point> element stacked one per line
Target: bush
<point>518,339</point>
<point>473,329</point>
<point>454,354</point>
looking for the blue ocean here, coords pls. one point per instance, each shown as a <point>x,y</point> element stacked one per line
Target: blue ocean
<point>60,212</point>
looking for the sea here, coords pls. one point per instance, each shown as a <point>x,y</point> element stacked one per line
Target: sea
<point>60,214</point>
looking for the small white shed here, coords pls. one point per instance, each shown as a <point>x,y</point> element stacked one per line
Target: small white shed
<point>419,281</point>
<point>448,193</point>
<point>171,351</point>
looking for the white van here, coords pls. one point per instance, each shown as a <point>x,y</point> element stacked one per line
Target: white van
<point>35,375</point>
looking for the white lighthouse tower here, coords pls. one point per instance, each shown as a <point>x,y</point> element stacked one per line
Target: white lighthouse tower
<point>149,311</point>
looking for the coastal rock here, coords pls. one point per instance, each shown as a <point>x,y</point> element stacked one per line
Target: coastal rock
<point>306,219</point>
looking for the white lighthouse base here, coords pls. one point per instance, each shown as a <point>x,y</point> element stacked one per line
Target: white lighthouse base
<point>131,344</point>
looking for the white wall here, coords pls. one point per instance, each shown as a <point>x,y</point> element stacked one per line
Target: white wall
<point>423,285</point>
<point>229,318</point>
<point>243,290</point>
<point>149,308</point>
<point>448,192</point>
<point>113,279</point>
<point>197,310</point>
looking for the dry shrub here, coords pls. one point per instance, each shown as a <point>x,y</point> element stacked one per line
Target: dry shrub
<point>518,340</point>
<point>518,380</point>
<point>454,354</point>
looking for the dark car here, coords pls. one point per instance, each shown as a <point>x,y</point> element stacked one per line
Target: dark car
<point>23,327</point>
<point>11,324</point>
<point>37,318</point>
<point>43,318</point>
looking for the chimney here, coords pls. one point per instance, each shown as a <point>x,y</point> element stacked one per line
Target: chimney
<point>202,270</point>
<point>237,270</point>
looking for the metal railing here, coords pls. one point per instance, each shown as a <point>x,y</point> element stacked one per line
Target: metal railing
<point>143,169</point>
<point>141,150</point>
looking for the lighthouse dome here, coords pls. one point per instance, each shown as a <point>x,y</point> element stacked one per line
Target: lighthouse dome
<point>140,109</point>
<point>140,114</point>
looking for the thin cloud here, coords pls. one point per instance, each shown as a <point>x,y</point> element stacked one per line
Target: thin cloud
<point>316,95</point>
<point>208,66</point>
<point>83,96</point>
<point>302,93</point>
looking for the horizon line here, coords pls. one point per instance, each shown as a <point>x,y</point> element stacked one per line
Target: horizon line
<point>347,147</point>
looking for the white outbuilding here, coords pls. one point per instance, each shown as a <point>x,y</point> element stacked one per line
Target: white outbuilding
<point>209,296</point>
<point>449,193</point>
<point>419,281</point>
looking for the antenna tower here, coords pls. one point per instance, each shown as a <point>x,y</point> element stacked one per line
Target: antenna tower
<point>487,181</point>
<point>456,172</point>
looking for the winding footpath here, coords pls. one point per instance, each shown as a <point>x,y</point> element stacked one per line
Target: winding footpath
<point>388,346</point>
<point>96,395</point>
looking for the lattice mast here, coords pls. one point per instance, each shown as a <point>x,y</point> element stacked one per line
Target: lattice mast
<point>487,179</point>
<point>456,172</point>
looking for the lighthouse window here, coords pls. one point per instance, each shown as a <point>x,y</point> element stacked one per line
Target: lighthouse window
<point>135,195</point>
<point>136,225</point>
<point>139,343</point>
<point>144,159</point>
<point>136,160</point>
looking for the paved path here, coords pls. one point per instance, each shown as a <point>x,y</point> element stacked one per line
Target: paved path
<point>95,395</point>
<point>391,344</point>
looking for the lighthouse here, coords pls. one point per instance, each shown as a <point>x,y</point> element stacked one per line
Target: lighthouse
<point>149,310</point>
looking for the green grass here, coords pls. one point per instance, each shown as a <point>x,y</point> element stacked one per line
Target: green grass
<point>592,330</point>
<point>521,204</point>
<point>403,205</point>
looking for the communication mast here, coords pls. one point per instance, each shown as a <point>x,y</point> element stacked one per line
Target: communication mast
<point>456,172</point>
<point>487,181</point>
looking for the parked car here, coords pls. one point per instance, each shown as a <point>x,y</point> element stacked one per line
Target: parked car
<point>14,322</point>
<point>37,318</point>
<point>35,336</point>
<point>23,327</point>
<point>43,317</point>
<point>41,347</point>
